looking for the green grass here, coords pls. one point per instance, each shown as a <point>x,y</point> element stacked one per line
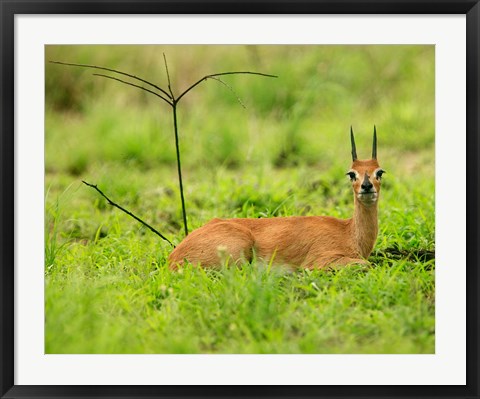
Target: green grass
<point>107,286</point>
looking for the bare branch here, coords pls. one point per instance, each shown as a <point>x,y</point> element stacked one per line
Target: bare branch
<point>127,212</point>
<point>222,74</point>
<point>134,85</point>
<point>115,71</point>
<point>172,101</point>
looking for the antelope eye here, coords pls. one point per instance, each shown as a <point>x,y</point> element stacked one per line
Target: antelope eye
<point>379,174</point>
<point>352,175</point>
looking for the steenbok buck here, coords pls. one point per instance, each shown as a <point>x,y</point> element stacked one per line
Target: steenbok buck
<point>296,241</point>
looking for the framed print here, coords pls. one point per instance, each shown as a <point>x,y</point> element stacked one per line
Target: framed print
<point>227,199</point>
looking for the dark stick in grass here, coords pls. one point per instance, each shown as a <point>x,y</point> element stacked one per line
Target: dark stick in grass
<point>128,212</point>
<point>170,99</point>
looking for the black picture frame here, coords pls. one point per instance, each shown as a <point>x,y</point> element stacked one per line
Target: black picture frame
<point>11,8</point>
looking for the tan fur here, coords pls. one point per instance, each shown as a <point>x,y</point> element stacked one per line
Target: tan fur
<point>296,241</point>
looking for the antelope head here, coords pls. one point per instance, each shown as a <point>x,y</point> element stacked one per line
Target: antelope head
<point>365,175</point>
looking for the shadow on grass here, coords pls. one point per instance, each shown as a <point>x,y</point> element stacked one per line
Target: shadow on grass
<point>417,255</point>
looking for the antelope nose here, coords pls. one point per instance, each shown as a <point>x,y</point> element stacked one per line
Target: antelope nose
<point>366,184</point>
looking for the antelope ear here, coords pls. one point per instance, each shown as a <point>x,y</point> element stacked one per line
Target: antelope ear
<point>374,148</point>
<point>354,150</point>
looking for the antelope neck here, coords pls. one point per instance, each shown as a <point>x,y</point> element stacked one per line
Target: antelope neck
<point>365,227</point>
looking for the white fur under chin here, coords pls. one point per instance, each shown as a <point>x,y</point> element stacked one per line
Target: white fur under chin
<point>367,198</point>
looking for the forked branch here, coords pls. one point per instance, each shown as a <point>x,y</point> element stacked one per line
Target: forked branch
<point>169,98</point>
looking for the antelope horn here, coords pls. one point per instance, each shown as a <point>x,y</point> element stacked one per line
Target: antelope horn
<point>354,150</point>
<point>374,149</point>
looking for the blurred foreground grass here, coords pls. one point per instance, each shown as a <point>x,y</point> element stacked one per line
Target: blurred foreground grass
<point>286,153</point>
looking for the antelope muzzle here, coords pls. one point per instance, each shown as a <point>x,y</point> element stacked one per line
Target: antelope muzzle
<point>367,193</point>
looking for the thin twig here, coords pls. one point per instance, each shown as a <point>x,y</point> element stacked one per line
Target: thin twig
<point>229,88</point>
<point>113,70</point>
<point>127,212</point>
<point>222,74</point>
<point>134,85</point>
<point>168,78</point>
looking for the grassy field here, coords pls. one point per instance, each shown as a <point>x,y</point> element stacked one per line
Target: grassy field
<point>107,287</point>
